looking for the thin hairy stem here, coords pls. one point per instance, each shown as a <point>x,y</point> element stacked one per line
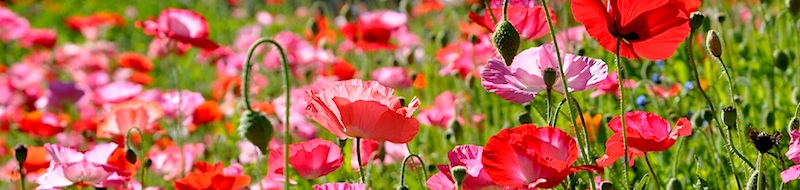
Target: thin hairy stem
<point>358,156</point>
<point>403,169</point>
<point>620,80</point>
<point>652,172</point>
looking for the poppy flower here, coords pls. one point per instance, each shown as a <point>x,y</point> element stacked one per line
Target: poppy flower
<point>300,54</point>
<point>135,61</point>
<point>43,124</point>
<point>374,31</point>
<point>368,147</point>
<point>571,38</point>
<point>300,126</point>
<point>341,186</point>
<point>62,93</point>
<point>206,112</point>
<point>442,114</point>
<point>531,157</point>
<point>90,26</point>
<point>124,116</point>
<point>12,26</point>
<point>41,38</point>
<point>361,109</point>
<point>529,20</point>
<point>38,160</point>
<point>468,156</point>
<point>650,29</point>
<point>180,104</point>
<point>119,160</point>
<point>117,92</point>
<point>70,167</point>
<point>793,154</point>
<point>169,162</point>
<point>213,177</point>
<point>610,85</point>
<point>647,132</point>
<point>465,58</point>
<point>521,81</point>
<point>660,91</point>
<point>311,159</point>
<point>392,77</point>
<point>248,152</point>
<point>319,32</point>
<point>592,125</point>
<point>184,26</point>
<point>427,6</point>
<point>141,78</point>
<point>342,70</point>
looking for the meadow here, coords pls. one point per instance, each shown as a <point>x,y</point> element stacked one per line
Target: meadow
<point>409,94</point>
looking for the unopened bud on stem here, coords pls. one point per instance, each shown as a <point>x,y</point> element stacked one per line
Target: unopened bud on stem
<point>696,20</point>
<point>21,153</point>
<point>506,40</point>
<point>713,43</point>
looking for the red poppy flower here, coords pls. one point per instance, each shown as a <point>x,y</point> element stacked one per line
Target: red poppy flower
<point>530,21</point>
<point>185,26</point>
<point>663,92</point>
<point>341,69</point>
<point>320,32</point>
<point>89,26</point>
<point>311,159</point>
<point>213,177</point>
<point>647,132</point>
<point>135,61</point>
<point>206,113</point>
<point>651,29</point>
<point>531,157</point>
<point>360,109</point>
<point>37,161</point>
<point>44,38</point>
<point>427,6</point>
<point>43,125</point>
<point>374,30</point>
<point>118,160</point>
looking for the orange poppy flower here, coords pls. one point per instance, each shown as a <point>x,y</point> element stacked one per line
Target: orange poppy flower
<point>208,177</point>
<point>142,78</point>
<point>207,112</point>
<point>427,6</point>
<point>592,124</point>
<point>140,114</point>
<point>418,81</point>
<point>319,31</point>
<point>118,160</point>
<point>37,160</point>
<point>264,107</point>
<point>135,61</point>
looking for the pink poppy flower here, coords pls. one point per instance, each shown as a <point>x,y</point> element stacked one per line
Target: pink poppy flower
<point>465,58</point>
<point>523,79</point>
<point>610,85</point>
<point>264,18</point>
<point>70,167</point>
<point>43,38</point>
<point>121,118</point>
<point>136,185</point>
<point>647,132</point>
<point>530,21</point>
<point>301,55</point>
<point>340,186</point>
<point>180,104</point>
<point>25,75</point>
<point>268,184</point>
<point>793,154</point>
<point>375,30</point>
<point>531,157</point>
<point>571,38</point>
<point>299,124</point>
<point>442,113</point>
<point>248,152</point>
<point>311,159</point>
<point>360,109</point>
<point>468,156</point>
<point>185,26</point>
<point>392,77</point>
<point>368,147</point>
<point>12,27</point>
<point>169,162</point>
<point>117,92</point>
<point>160,47</point>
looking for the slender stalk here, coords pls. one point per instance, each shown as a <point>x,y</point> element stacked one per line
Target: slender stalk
<point>403,169</point>
<point>287,88</point>
<point>358,156</point>
<point>652,172</point>
<point>622,114</point>
<point>21,176</point>
<point>759,185</point>
<point>489,11</point>
<point>730,81</point>
<point>549,107</point>
<point>797,109</point>
<point>585,130</point>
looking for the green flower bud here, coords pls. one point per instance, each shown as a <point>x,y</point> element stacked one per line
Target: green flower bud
<point>696,20</point>
<point>752,182</point>
<point>794,124</point>
<point>130,155</point>
<point>674,184</point>
<point>729,116</point>
<point>713,43</point>
<point>255,127</point>
<point>459,173</point>
<point>780,59</point>
<point>606,186</point>
<point>524,118</point>
<point>21,153</point>
<point>549,76</point>
<point>506,40</point>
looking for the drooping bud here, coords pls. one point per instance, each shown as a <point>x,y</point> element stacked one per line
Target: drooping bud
<point>729,116</point>
<point>506,40</point>
<point>752,182</point>
<point>674,184</point>
<point>793,6</point>
<point>348,12</point>
<point>21,153</point>
<point>130,155</point>
<point>459,173</point>
<point>780,59</point>
<point>721,17</point>
<point>549,75</point>
<point>256,128</point>
<point>696,20</point>
<point>713,44</point>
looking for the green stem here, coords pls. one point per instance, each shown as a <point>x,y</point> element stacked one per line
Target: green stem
<point>21,176</point>
<point>489,11</point>
<point>358,156</point>
<point>652,172</point>
<point>759,185</point>
<point>549,108</point>
<point>585,134</point>
<point>563,79</point>
<point>287,88</point>
<point>730,81</point>
<point>403,169</point>
<point>620,78</point>
<point>797,109</point>
<point>505,10</point>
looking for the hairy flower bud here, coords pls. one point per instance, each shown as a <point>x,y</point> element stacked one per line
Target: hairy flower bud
<point>696,20</point>
<point>255,127</point>
<point>130,155</point>
<point>752,182</point>
<point>459,173</point>
<point>780,59</point>
<point>21,153</point>
<point>729,116</point>
<point>506,40</point>
<point>549,77</point>
<point>674,184</point>
<point>713,44</point>
<point>794,124</point>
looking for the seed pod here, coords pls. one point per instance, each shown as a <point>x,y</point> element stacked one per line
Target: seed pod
<point>459,173</point>
<point>549,76</point>
<point>729,116</point>
<point>674,184</point>
<point>713,44</point>
<point>696,20</point>
<point>130,156</point>
<point>506,40</point>
<point>21,153</point>
<point>255,127</point>
<point>781,59</point>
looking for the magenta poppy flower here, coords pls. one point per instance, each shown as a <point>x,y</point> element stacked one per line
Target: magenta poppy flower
<point>531,157</point>
<point>12,27</point>
<point>340,186</point>
<point>360,109</point>
<point>610,85</point>
<point>793,154</point>
<point>647,132</point>
<point>442,113</point>
<point>465,58</point>
<point>375,30</point>
<point>311,159</point>
<point>170,161</point>
<point>523,79</point>
<point>69,167</point>
<point>185,26</point>
<point>529,20</point>
<point>468,156</point>
<point>301,55</point>
<point>392,77</point>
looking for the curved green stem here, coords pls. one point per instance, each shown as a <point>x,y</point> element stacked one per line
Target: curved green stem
<point>585,134</point>
<point>141,152</point>
<point>358,157</point>
<point>403,168</point>
<point>652,172</point>
<point>489,11</point>
<point>620,78</point>
<point>287,88</point>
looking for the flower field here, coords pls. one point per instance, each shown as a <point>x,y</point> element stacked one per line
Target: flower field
<point>408,94</point>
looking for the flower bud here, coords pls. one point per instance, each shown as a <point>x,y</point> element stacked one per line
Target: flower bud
<point>793,6</point>
<point>674,184</point>
<point>21,153</point>
<point>721,17</point>
<point>752,182</point>
<point>713,44</point>
<point>524,118</point>
<point>780,59</point>
<point>255,127</point>
<point>729,116</point>
<point>459,173</point>
<point>606,186</point>
<point>549,76</point>
<point>402,187</point>
<point>147,163</point>
<point>506,40</point>
<point>130,155</point>
<point>696,20</point>
<point>794,124</point>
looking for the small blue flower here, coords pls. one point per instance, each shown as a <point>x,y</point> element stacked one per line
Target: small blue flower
<point>641,101</point>
<point>656,78</point>
<point>660,64</point>
<point>689,85</point>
